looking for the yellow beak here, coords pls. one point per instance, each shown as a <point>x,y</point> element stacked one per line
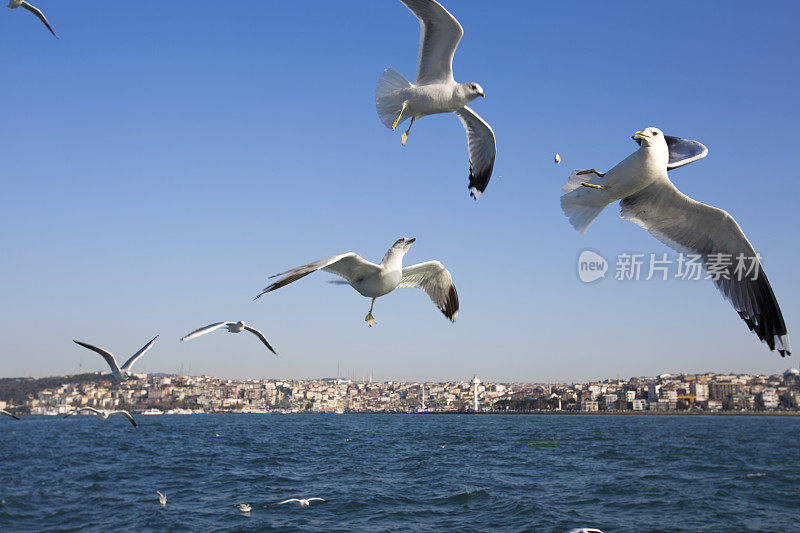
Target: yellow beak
<point>640,134</point>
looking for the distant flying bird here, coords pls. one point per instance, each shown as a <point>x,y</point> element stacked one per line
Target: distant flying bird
<point>373,280</point>
<point>233,327</point>
<point>4,412</point>
<point>650,200</point>
<point>435,91</point>
<point>103,415</point>
<point>124,373</point>
<point>162,498</point>
<point>584,530</point>
<point>14,4</point>
<point>300,502</point>
<point>244,507</point>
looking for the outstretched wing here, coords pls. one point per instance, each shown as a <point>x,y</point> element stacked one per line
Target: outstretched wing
<point>261,336</point>
<point>683,151</point>
<point>108,356</point>
<point>38,13</point>
<point>204,330</point>
<point>127,415</point>
<point>433,278</point>
<point>690,226</point>
<point>316,499</point>
<point>439,34</point>
<point>350,266</point>
<point>129,363</point>
<point>4,412</point>
<point>290,500</point>
<point>482,150</point>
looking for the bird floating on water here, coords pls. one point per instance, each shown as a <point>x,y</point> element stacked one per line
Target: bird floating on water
<point>103,415</point>
<point>233,327</point>
<point>244,507</point>
<point>373,280</point>
<point>123,373</point>
<point>14,4</point>
<point>650,200</point>
<point>4,412</point>
<point>301,502</point>
<point>162,498</point>
<point>435,90</point>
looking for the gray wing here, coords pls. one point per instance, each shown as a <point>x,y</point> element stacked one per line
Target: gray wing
<point>350,266</point>
<point>204,330</point>
<point>127,415</point>
<point>316,499</point>
<point>108,356</point>
<point>690,226</point>
<point>433,278</point>
<point>129,363</point>
<point>439,34</point>
<point>38,13</point>
<point>4,412</point>
<point>482,150</point>
<point>261,336</point>
<point>683,151</point>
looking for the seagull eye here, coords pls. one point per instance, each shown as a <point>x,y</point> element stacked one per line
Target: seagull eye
<point>655,133</point>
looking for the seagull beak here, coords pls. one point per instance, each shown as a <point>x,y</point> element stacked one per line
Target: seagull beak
<point>482,94</point>
<point>640,135</point>
<point>412,240</point>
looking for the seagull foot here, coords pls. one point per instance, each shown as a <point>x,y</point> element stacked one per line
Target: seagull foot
<point>369,319</point>
<point>397,120</point>
<point>593,186</point>
<point>590,171</point>
<point>403,139</point>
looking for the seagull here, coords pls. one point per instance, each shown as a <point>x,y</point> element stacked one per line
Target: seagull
<point>650,200</point>
<point>435,91</point>
<point>103,415</point>
<point>373,280</point>
<point>584,530</point>
<point>244,507</point>
<point>233,327</point>
<point>4,412</point>
<point>300,502</point>
<point>162,498</point>
<point>119,374</point>
<point>14,4</point>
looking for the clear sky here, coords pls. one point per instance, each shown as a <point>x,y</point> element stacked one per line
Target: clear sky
<point>161,159</point>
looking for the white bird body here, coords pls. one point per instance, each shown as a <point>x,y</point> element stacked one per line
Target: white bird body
<point>301,502</point>
<point>162,498</point>
<point>233,327</point>
<point>373,281</point>
<point>244,507</point>
<point>122,373</point>
<point>423,100</point>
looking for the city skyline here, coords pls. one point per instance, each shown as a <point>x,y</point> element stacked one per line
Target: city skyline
<point>174,169</point>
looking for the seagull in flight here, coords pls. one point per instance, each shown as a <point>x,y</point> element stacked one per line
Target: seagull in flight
<point>650,200</point>
<point>119,374</point>
<point>301,502</point>
<point>4,412</point>
<point>14,4</point>
<point>435,90</point>
<point>162,498</point>
<point>373,280</point>
<point>233,327</point>
<point>103,415</point>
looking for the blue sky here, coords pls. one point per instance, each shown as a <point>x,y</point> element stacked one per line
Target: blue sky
<point>160,160</point>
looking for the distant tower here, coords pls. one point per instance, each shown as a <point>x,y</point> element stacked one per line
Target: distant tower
<point>423,396</point>
<point>475,383</point>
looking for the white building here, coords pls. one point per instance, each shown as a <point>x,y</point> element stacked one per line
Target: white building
<point>639,404</point>
<point>699,391</point>
<point>589,405</point>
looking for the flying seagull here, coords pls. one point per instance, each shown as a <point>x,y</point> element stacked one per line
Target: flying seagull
<point>300,502</point>
<point>162,498</point>
<point>119,374</point>
<point>233,327</point>
<point>649,199</point>
<point>103,415</point>
<point>373,280</point>
<point>435,91</point>
<point>14,4</point>
<point>4,412</point>
<point>244,507</point>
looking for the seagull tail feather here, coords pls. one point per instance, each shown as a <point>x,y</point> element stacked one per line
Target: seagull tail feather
<point>388,102</point>
<point>582,208</point>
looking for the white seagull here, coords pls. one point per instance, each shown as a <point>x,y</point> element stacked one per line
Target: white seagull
<point>103,415</point>
<point>650,200</point>
<point>124,373</point>
<point>301,502</point>
<point>14,4</point>
<point>233,327</point>
<point>4,412</point>
<point>162,498</point>
<point>373,280</point>
<point>435,91</point>
<point>244,507</point>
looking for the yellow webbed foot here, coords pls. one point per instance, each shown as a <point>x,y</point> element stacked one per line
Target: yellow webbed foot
<point>593,186</point>
<point>370,320</point>
<point>590,171</point>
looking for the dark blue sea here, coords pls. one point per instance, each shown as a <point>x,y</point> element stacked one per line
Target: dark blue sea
<point>402,472</point>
